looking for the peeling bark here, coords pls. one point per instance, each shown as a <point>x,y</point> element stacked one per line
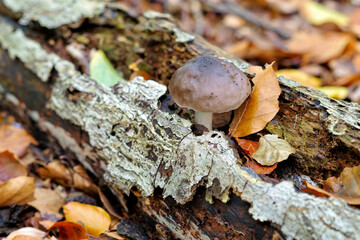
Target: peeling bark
<point>122,132</point>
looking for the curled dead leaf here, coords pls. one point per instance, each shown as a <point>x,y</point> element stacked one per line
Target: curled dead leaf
<point>262,105</point>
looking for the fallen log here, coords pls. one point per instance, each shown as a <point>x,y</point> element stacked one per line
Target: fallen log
<point>122,136</point>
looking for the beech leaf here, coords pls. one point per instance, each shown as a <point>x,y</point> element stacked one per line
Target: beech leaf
<point>47,201</point>
<point>272,150</point>
<point>19,190</point>
<point>95,219</point>
<point>262,105</point>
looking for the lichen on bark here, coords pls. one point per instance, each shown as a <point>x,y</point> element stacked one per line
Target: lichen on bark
<point>145,147</point>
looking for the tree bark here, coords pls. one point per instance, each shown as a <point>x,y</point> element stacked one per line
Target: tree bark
<point>122,136</point>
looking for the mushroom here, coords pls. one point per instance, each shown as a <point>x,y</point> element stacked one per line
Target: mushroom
<point>209,85</point>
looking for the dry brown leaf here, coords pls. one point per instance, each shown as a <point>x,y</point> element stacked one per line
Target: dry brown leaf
<point>350,180</point>
<point>58,172</point>
<point>15,139</point>
<point>30,232</point>
<point>272,149</point>
<point>19,190</point>
<point>320,48</point>
<point>10,166</point>
<point>95,219</point>
<point>83,182</point>
<point>47,201</point>
<point>262,105</point>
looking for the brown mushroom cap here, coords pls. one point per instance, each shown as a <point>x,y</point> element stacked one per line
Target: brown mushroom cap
<point>209,84</point>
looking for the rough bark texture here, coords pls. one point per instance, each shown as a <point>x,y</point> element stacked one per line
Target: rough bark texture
<point>121,131</point>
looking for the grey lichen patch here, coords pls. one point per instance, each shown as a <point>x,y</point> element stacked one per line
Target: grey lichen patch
<point>54,13</point>
<point>146,147</point>
<point>124,125</point>
<point>303,216</point>
<point>29,51</point>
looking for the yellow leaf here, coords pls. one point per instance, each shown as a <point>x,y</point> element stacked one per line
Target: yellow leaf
<point>337,92</point>
<point>95,219</point>
<point>272,149</point>
<point>318,14</point>
<point>19,190</point>
<point>262,105</point>
<point>47,201</point>
<point>300,76</point>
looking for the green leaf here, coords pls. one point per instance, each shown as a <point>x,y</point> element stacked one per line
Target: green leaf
<point>102,71</point>
<point>272,149</point>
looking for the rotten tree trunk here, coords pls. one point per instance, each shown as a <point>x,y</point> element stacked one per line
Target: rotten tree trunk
<point>122,136</point>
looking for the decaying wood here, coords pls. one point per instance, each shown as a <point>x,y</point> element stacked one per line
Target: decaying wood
<point>122,132</point>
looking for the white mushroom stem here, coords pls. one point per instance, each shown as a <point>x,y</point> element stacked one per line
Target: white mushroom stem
<point>204,118</point>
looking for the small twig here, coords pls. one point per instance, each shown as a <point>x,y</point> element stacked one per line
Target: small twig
<point>236,9</point>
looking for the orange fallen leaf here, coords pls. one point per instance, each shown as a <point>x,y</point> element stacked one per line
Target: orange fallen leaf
<point>10,166</point>
<point>19,190</point>
<point>47,201</point>
<point>262,105</point>
<point>250,147</point>
<point>15,139</point>
<point>28,233</point>
<point>260,169</point>
<point>70,230</point>
<point>323,193</point>
<point>247,145</point>
<point>309,188</point>
<point>95,219</point>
